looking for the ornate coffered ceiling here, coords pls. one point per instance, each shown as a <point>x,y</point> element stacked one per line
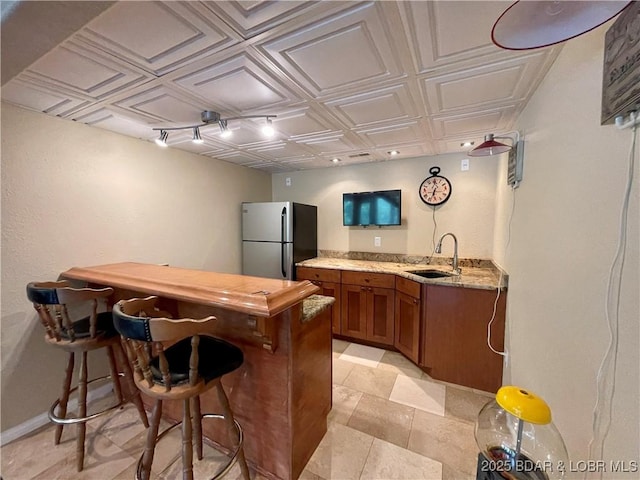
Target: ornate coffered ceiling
<point>352,80</point>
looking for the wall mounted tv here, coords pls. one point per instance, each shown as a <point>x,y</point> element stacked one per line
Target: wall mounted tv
<point>372,208</point>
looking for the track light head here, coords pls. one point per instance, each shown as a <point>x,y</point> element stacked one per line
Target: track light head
<point>224,130</point>
<point>196,136</point>
<point>162,139</point>
<point>268,130</point>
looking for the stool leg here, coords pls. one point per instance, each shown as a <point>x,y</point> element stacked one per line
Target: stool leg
<point>152,436</point>
<point>231,428</point>
<point>115,378</point>
<point>134,392</point>
<point>64,398</point>
<point>197,425</point>
<point>82,411</point>
<point>187,438</point>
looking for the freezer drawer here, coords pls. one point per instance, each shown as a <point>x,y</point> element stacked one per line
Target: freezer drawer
<point>267,259</point>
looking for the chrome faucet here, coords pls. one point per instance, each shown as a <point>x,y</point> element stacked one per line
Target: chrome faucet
<point>456,270</point>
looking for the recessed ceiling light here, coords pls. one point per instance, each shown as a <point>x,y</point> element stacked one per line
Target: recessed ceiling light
<point>393,152</point>
<point>335,160</point>
<point>467,144</point>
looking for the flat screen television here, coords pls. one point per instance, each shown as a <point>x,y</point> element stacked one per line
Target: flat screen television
<point>372,208</point>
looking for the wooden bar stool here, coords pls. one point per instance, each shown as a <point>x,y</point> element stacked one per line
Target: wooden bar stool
<point>193,364</point>
<point>50,300</point>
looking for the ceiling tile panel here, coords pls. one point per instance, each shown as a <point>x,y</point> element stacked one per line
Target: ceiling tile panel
<point>301,123</point>
<point>281,151</point>
<point>236,84</point>
<point>339,52</point>
<point>111,119</point>
<point>82,71</point>
<point>41,99</point>
<point>393,135</point>
<point>480,122</point>
<point>326,145</point>
<point>158,36</point>
<point>165,105</point>
<point>385,105</point>
<point>250,18</point>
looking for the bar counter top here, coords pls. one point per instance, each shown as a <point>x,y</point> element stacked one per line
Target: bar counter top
<point>261,297</point>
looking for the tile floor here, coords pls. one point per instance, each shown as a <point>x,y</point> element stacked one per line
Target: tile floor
<point>389,421</point>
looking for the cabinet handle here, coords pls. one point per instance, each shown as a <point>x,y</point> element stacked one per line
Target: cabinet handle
<point>363,289</point>
<point>415,301</point>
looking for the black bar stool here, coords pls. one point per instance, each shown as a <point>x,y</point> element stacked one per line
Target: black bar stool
<point>50,299</point>
<point>194,363</point>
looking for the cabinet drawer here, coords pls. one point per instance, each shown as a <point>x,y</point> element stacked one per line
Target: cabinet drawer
<point>366,279</point>
<point>322,274</point>
<point>407,286</point>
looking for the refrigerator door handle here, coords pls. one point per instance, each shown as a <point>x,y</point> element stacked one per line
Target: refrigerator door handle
<point>283,218</point>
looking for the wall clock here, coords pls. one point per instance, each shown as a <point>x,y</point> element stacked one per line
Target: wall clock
<point>436,189</point>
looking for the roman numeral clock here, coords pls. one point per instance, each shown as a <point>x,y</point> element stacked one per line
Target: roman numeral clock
<point>436,189</point>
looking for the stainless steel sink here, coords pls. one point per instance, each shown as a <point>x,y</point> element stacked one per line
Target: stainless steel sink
<point>433,273</point>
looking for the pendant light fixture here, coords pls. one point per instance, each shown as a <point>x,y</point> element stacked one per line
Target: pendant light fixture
<point>529,24</point>
<point>489,147</point>
<point>209,117</point>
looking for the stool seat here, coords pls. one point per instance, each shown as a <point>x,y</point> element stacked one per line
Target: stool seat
<point>194,363</point>
<point>79,336</point>
<point>216,358</point>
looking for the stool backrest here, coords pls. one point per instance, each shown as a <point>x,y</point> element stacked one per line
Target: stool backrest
<point>145,328</point>
<point>50,299</point>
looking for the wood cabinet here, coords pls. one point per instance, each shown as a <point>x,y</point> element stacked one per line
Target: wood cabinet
<point>329,282</point>
<point>408,313</point>
<point>454,336</point>
<point>368,303</point>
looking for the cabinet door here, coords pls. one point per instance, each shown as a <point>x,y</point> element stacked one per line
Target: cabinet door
<point>333,290</point>
<point>455,336</point>
<point>379,317</point>
<point>407,327</point>
<point>354,311</point>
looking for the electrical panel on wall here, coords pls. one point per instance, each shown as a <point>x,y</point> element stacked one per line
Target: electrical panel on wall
<point>515,164</point>
<point>621,72</point>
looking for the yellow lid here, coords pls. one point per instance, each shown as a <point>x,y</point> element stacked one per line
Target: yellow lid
<point>524,405</point>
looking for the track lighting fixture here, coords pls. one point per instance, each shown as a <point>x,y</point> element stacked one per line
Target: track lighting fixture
<point>209,117</point>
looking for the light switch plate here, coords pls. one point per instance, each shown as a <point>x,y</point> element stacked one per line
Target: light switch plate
<point>377,241</point>
<point>287,181</point>
<point>464,165</point>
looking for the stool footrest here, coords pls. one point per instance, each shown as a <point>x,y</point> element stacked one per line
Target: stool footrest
<point>221,471</point>
<point>73,420</point>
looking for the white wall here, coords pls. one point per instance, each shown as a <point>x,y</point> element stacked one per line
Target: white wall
<point>469,213</point>
<point>74,195</point>
<point>563,239</point>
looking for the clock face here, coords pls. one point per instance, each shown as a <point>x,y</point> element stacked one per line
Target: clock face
<point>435,190</point>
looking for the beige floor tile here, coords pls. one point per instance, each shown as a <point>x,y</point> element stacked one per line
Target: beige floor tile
<point>338,346</point>
<point>120,426</point>
<point>341,454</point>
<point>390,462</point>
<point>449,473</point>
<point>345,400</point>
<point>371,380</point>
<point>383,419</point>
<point>464,404</point>
<point>340,370</point>
<point>445,439</point>
<point>398,363</point>
<point>362,355</point>
<point>35,453</point>
<point>103,459</point>
<point>307,475</point>
<point>418,393</point>
<point>167,450</point>
<point>211,463</point>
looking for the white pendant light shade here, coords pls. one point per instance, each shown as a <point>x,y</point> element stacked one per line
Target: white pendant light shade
<point>532,24</point>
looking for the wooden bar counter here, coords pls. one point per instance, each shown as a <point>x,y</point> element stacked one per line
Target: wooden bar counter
<point>281,395</point>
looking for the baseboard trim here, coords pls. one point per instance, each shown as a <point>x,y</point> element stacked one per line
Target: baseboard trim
<point>38,421</point>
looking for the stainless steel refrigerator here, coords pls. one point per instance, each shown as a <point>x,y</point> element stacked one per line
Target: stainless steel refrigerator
<point>277,235</point>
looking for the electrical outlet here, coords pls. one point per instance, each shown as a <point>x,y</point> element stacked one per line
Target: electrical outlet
<point>287,181</point>
<point>464,165</point>
<point>377,241</point>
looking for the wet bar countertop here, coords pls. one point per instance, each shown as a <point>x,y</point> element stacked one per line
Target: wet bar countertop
<point>482,274</point>
<point>313,305</point>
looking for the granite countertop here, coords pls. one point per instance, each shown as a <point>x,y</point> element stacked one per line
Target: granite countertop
<point>313,305</point>
<point>475,274</point>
